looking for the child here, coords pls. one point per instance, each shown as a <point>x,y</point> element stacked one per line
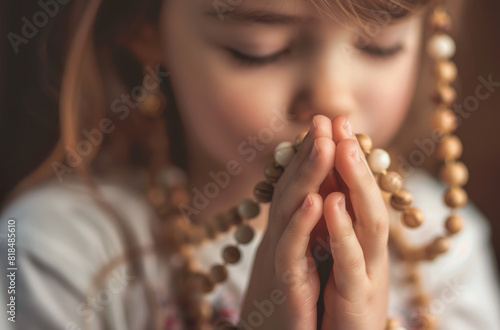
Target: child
<point>242,76</point>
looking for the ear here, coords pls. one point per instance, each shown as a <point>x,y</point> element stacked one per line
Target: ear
<point>145,44</point>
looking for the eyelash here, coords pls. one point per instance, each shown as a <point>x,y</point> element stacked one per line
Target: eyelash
<point>248,60</point>
<point>381,52</point>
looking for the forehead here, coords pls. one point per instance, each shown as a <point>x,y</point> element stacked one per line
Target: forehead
<point>294,12</point>
<point>259,11</point>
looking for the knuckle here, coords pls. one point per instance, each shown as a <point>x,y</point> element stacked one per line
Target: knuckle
<point>381,223</point>
<point>351,265</point>
<point>279,214</point>
<point>355,262</point>
<point>280,209</point>
<point>342,240</point>
<point>367,180</point>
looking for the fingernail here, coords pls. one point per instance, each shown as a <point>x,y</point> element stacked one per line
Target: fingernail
<point>313,127</point>
<point>347,127</point>
<point>314,151</point>
<point>341,203</point>
<point>308,202</point>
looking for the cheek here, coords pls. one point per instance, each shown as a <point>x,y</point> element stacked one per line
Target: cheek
<point>386,100</point>
<point>224,110</point>
<point>221,106</point>
<point>243,114</point>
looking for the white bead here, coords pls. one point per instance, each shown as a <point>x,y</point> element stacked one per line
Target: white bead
<point>283,153</point>
<point>441,46</point>
<point>379,160</point>
<point>173,176</point>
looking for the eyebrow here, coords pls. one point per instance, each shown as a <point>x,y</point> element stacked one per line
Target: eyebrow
<point>245,15</point>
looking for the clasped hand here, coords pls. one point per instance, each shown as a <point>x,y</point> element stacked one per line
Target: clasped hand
<point>327,191</point>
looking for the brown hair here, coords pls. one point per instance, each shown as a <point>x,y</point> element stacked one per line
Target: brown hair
<point>94,61</point>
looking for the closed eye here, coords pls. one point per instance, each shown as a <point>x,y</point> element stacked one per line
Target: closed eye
<point>381,52</point>
<point>251,60</point>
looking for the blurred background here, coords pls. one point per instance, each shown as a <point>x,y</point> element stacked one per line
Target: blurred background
<point>27,116</point>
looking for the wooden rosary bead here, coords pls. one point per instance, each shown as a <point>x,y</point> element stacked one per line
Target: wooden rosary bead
<point>413,217</point>
<point>445,71</point>
<point>378,160</point>
<point>414,276</point>
<point>172,176</point>
<point>221,224</point>
<point>218,273</point>
<point>455,197</point>
<point>422,299</point>
<point>231,254</point>
<point>200,282</point>
<point>201,310</point>
<point>449,148</point>
<point>454,224</point>
<point>233,217</point>
<point>441,46</point>
<point>195,236</point>
<point>454,174</point>
<point>401,199</point>
<point>440,21</point>
<point>445,94</point>
<point>244,234</point>
<point>299,138</point>
<point>444,120</point>
<point>263,192</point>
<point>248,209</point>
<point>439,246</point>
<point>210,231</point>
<point>283,153</point>
<point>156,196</point>
<point>365,142</point>
<point>179,196</point>
<point>390,181</point>
<point>151,105</point>
<point>392,324</point>
<point>273,172</point>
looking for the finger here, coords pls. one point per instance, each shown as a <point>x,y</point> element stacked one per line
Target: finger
<point>308,178</point>
<point>305,175</point>
<point>341,129</point>
<point>370,211</point>
<point>294,242</point>
<point>320,127</point>
<point>349,262</point>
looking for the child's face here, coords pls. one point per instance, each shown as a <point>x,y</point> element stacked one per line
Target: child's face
<point>226,95</point>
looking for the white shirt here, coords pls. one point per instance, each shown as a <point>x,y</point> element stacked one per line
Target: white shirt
<point>63,240</point>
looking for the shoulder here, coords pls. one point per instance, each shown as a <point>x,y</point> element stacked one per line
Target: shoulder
<point>64,242</point>
<point>428,194</point>
<point>428,197</point>
<point>62,226</point>
<point>465,278</point>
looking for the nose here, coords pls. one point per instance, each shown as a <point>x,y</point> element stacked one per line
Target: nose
<point>325,87</point>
